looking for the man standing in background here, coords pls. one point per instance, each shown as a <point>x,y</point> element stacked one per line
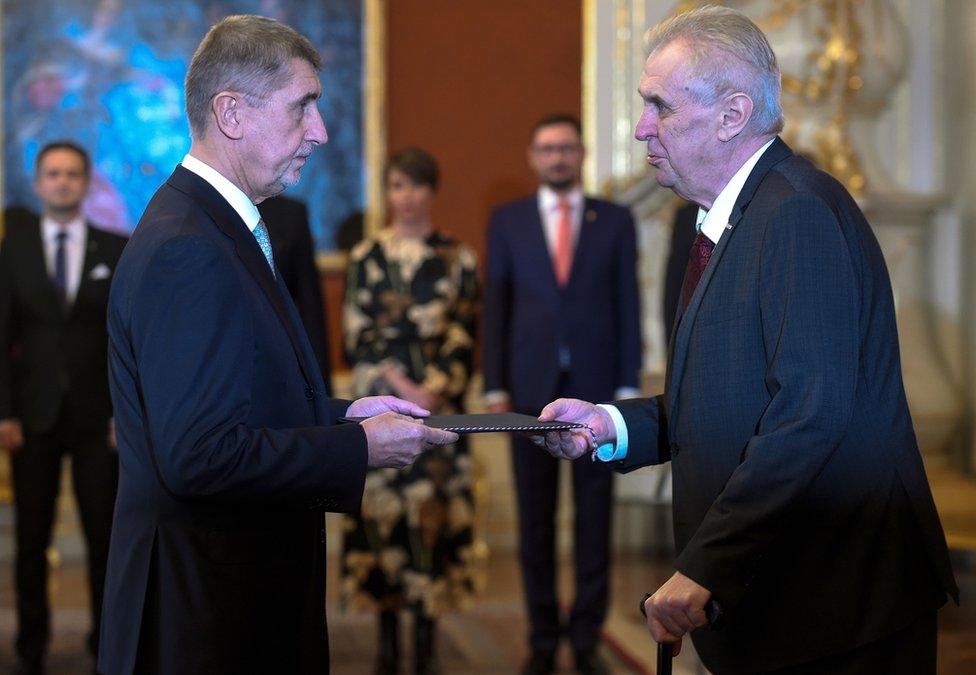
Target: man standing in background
<point>562,317</point>
<point>54,398</point>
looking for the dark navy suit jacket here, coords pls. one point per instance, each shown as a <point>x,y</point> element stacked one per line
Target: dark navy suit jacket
<point>227,454</point>
<point>800,499</point>
<point>528,316</point>
<point>294,256</point>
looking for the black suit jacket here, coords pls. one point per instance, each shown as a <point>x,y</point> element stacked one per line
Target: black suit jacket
<point>53,359</point>
<point>217,562</point>
<point>294,256</point>
<point>800,499</point>
<point>528,316</point>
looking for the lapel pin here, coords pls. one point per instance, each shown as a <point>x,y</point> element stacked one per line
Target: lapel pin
<point>590,215</point>
<point>728,226</point>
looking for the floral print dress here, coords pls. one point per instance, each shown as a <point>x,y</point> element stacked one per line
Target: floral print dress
<point>411,305</point>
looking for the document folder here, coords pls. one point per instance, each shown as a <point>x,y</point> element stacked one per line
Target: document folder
<point>479,423</point>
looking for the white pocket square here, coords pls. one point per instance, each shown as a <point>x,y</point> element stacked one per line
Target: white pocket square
<point>99,272</point>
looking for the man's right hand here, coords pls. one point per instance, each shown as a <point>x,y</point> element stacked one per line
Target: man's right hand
<point>576,443</point>
<point>11,435</point>
<point>395,440</point>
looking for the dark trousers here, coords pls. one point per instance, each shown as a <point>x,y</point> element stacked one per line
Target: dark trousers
<point>537,490</point>
<point>909,651</point>
<point>36,472</point>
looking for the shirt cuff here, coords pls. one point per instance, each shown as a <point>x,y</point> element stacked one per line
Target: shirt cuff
<point>610,452</point>
<point>626,392</point>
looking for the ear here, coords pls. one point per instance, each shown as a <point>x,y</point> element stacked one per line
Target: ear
<point>229,114</point>
<point>736,111</point>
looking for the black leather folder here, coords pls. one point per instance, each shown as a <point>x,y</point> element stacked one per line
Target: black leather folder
<point>479,423</point>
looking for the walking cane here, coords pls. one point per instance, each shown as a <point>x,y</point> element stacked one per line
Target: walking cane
<point>663,658</point>
<point>663,648</point>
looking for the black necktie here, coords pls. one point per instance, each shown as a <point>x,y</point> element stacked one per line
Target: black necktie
<point>60,267</point>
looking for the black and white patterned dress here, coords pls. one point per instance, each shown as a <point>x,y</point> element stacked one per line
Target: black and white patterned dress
<point>411,304</point>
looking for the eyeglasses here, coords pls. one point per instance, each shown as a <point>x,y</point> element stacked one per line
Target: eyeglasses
<point>549,150</point>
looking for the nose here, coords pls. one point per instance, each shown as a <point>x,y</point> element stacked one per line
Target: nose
<point>646,125</point>
<point>316,132</point>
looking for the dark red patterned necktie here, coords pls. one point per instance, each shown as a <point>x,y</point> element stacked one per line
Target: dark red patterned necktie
<point>701,251</point>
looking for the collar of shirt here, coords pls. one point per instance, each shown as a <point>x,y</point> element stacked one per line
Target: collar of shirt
<point>231,193</point>
<point>75,229</point>
<point>549,200</point>
<point>713,221</point>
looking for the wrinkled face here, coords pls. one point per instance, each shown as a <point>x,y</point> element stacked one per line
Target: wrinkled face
<point>680,133</point>
<point>409,201</point>
<point>61,181</point>
<point>556,155</point>
<point>282,132</point>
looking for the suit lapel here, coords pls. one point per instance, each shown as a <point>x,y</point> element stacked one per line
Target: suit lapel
<point>37,269</point>
<point>681,339</point>
<point>686,322</point>
<point>91,258</point>
<point>314,378</point>
<point>589,231</point>
<point>230,223</point>
<point>537,248</point>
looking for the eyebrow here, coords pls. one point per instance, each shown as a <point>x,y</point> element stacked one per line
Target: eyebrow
<point>658,102</point>
<point>308,98</point>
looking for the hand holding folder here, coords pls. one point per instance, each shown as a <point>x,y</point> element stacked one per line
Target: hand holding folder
<point>487,423</point>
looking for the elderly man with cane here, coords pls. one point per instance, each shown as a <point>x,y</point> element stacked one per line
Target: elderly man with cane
<point>803,520</point>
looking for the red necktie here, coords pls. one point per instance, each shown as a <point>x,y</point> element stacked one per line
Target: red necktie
<point>701,251</point>
<point>563,258</point>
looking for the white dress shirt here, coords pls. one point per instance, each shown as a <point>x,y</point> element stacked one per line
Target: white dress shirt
<point>712,223</point>
<point>74,251</point>
<point>239,201</point>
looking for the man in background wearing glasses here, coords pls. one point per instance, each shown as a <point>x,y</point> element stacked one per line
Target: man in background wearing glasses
<point>560,324</point>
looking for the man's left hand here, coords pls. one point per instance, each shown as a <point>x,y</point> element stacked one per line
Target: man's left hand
<point>375,405</point>
<point>677,608</point>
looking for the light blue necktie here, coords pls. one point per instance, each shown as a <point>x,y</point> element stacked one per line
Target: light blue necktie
<point>264,241</point>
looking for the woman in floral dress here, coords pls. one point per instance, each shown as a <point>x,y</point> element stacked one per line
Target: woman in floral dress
<point>408,322</point>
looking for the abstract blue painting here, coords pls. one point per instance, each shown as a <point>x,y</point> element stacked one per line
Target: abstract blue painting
<point>109,75</point>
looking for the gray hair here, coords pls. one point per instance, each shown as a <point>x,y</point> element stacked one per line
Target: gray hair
<point>246,53</point>
<point>714,35</point>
